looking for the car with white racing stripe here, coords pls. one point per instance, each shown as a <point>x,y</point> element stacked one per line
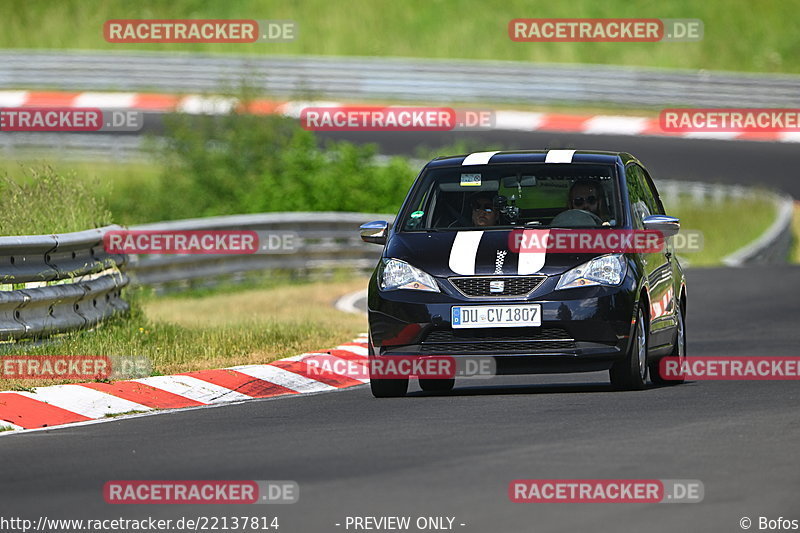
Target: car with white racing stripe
<point>547,261</point>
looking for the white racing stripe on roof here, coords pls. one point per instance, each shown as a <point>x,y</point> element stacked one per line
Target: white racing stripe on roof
<point>83,400</point>
<point>559,156</point>
<point>478,158</point>
<point>464,251</point>
<point>194,389</point>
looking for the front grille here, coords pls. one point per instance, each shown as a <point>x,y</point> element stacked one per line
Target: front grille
<point>500,340</point>
<point>496,347</point>
<point>497,334</point>
<point>480,286</point>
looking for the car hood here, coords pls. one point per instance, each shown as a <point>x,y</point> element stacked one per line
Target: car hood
<point>475,252</point>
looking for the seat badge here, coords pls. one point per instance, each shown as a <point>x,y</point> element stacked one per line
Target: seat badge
<point>497,286</point>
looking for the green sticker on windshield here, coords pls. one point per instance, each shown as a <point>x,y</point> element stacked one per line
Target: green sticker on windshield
<point>417,214</point>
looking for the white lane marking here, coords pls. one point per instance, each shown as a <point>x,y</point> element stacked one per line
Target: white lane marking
<point>347,302</point>
<point>723,135</point>
<point>194,389</point>
<point>294,108</point>
<point>203,105</point>
<point>559,156</point>
<point>5,426</point>
<point>464,251</point>
<point>615,124</point>
<point>531,261</point>
<point>789,136</point>
<point>105,100</point>
<point>82,400</point>
<point>358,350</point>
<point>478,158</point>
<point>517,120</point>
<point>284,378</point>
<point>337,365</point>
<point>13,98</point>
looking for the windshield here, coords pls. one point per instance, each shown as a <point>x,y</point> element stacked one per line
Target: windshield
<point>531,195</point>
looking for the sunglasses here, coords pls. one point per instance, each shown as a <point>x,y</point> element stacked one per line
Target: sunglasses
<point>488,209</point>
<point>580,200</point>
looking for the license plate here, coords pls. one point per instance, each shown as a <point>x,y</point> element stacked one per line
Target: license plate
<point>496,316</point>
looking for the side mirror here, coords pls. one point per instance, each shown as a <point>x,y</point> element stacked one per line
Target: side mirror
<point>374,232</point>
<point>667,225</point>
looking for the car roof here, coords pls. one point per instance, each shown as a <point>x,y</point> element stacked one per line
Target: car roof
<point>533,156</point>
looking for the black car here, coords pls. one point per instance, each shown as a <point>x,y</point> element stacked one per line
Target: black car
<point>452,282</point>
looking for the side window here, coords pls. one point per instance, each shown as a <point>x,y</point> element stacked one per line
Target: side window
<point>637,195</point>
<point>653,200</point>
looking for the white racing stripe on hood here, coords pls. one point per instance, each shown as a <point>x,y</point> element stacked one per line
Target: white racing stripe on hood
<point>464,251</point>
<point>531,260</point>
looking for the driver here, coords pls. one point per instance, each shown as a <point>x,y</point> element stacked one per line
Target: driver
<point>588,195</point>
<point>483,211</point>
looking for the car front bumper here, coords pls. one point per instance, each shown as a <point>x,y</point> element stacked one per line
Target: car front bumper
<point>583,329</point>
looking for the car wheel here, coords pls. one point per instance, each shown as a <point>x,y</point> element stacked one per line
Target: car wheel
<point>385,388</point>
<point>631,372</point>
<point>679,351</point>
<point>437,385</point>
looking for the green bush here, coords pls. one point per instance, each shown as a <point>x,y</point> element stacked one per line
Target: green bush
<point>250,164</point>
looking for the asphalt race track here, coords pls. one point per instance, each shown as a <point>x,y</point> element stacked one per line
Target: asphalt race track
<point>773,165</point>
<point>455,455</point>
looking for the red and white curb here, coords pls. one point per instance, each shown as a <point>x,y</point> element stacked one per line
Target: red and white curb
<point>505,120</point>
<point>58,405</point>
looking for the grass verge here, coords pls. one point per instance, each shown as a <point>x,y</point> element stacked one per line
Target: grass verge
<point>182,333</point>
<point>795,255</point>
<point>739,34</point>
<point>723,231</point>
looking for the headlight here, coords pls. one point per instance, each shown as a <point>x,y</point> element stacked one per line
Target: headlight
<point>396,274</point>
<point>604,270</point>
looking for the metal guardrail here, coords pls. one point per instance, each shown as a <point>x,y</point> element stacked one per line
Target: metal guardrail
<point>57,283</point>
<point>428,80</point>
<point>327,240</point>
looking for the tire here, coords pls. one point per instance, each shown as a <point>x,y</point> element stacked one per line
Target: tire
<point>631,373</point>
<point>389,388</point>
<point>679,351</point>
<point>437,385</point>
<point>386,388</point>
